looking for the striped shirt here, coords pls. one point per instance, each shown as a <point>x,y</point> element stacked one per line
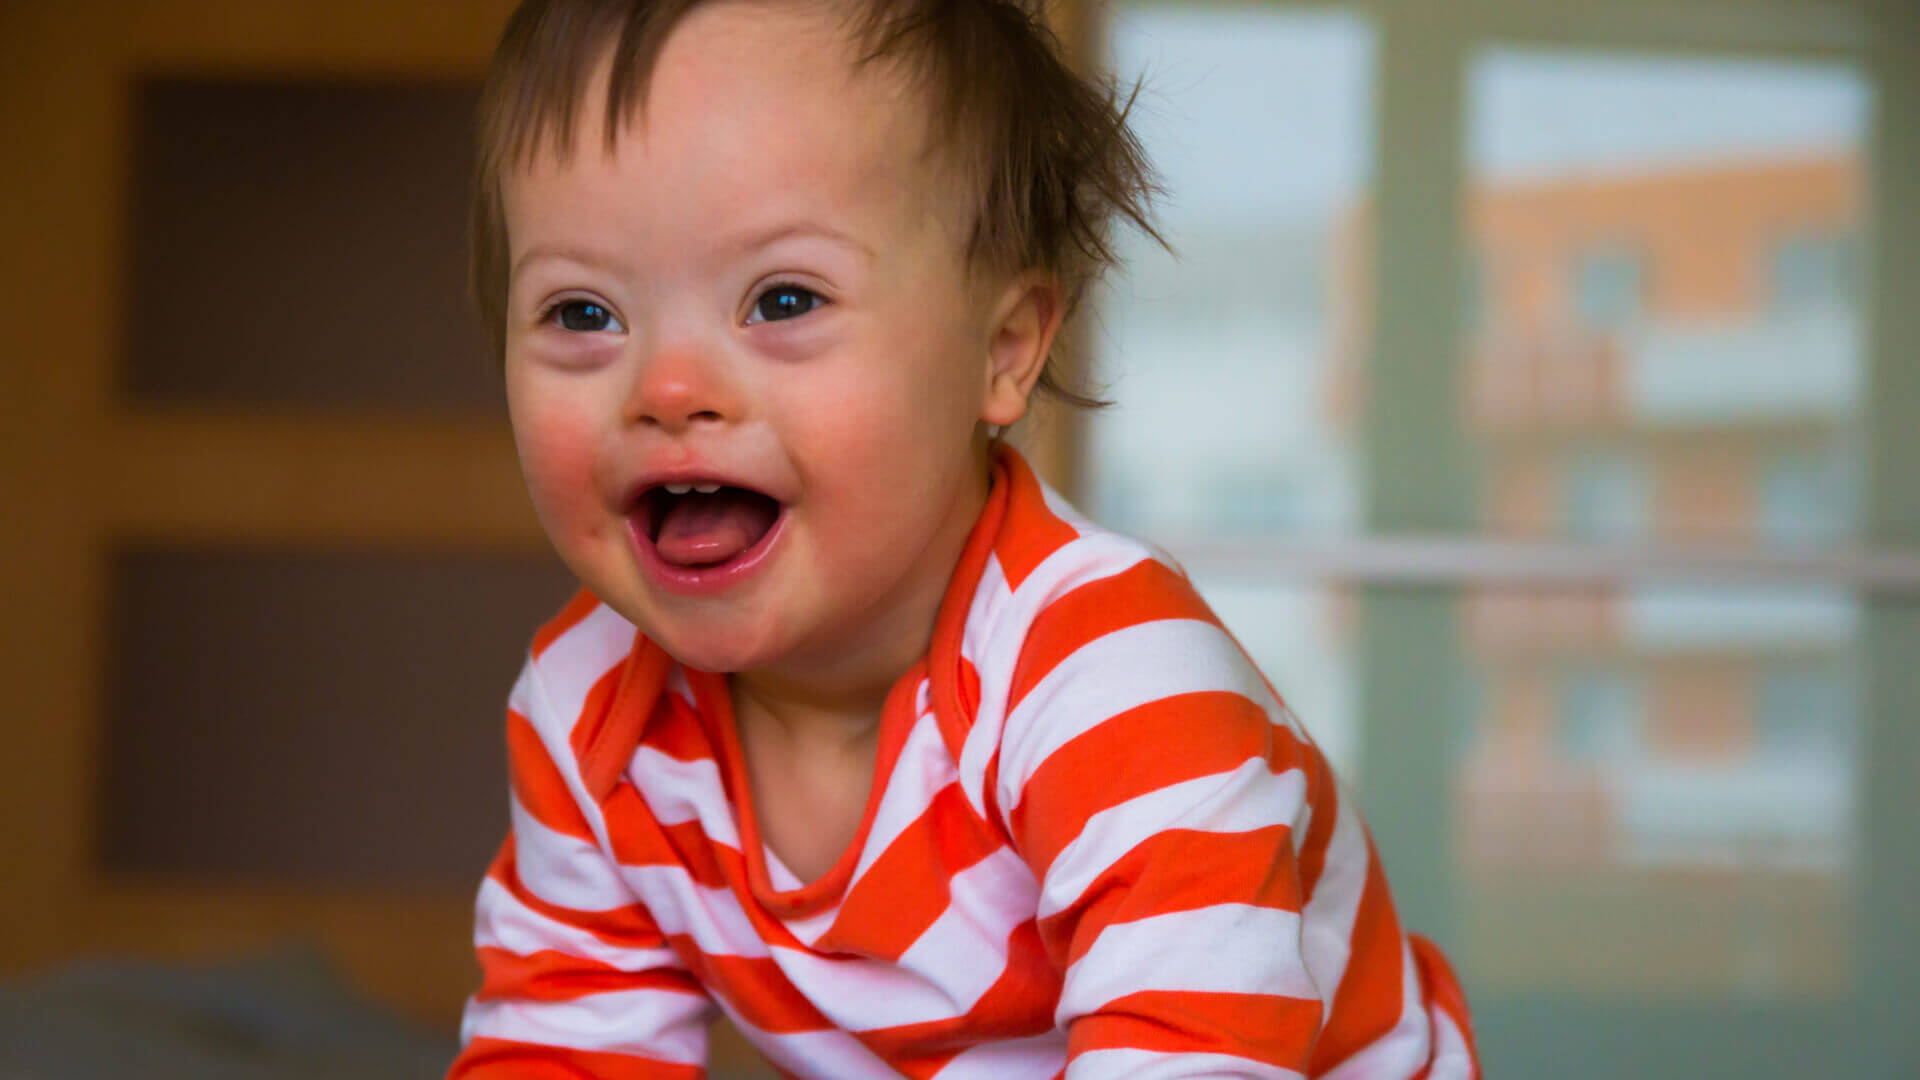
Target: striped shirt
<point>1098,845</point>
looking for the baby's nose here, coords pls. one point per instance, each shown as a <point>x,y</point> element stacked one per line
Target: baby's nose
<point>678,388</point>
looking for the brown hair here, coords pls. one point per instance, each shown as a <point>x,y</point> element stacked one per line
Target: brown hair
<point>1054,161</point>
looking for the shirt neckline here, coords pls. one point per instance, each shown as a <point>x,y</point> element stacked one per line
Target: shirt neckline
<point>939,668</point>
<point>897,717</point>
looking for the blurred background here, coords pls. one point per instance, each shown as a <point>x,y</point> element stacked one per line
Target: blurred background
<point>1535,390</point>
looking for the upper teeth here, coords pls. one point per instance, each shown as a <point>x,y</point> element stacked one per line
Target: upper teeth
<point>706,489</point>
<point>682,489</point>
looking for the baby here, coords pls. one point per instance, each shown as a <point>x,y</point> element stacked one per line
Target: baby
<point>858,733</point>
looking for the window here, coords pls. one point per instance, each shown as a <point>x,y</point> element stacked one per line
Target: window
<point>1804,715</point>
<point>1599,717</point>
<point>1806,496</point>
<point>1607,497</point>
<point>1228,361</point>
<point>1608,288</point>
<point>1627,176</point>
<point>1626,220</point>
<point>1811,271</point>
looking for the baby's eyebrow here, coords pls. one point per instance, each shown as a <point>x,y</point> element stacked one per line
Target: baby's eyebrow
<point>764,238</point>
<point>579,256</point>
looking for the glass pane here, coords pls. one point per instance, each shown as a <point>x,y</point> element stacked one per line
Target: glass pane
<point>1660,795</point>
<point>1231,416</point>
<point>1666,271</point>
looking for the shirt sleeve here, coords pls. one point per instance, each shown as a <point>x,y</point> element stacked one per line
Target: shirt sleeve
<point>578,981</point>
<point>1214,907</point>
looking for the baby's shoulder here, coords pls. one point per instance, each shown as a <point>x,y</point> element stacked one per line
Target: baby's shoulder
<point>1102,609</point>
<point>1107,642</point>
<point>1091,582</point>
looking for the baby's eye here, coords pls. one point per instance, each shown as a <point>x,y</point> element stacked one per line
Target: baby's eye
<point>784,302</point>
<point>584,316</point>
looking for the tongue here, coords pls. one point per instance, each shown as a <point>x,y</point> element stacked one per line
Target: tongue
<point>705,530</point>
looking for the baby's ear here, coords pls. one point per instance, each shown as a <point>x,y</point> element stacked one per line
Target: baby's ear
<point>1025,321</point>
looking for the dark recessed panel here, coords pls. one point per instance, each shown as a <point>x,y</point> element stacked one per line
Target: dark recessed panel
<point>303,244</point>
<point>330,717</point>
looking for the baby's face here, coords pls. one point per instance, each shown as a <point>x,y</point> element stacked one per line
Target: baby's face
<point>762,288</point>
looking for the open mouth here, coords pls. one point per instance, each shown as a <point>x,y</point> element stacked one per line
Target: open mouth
<point>697,527</point>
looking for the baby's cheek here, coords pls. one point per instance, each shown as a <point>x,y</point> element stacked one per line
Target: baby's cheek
<point>558,460</point>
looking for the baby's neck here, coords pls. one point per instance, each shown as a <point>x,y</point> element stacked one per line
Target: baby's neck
<point>806,712</point>
<point>810,774</point>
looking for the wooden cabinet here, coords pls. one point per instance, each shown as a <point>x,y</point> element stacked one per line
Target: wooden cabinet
<point>229,413</point>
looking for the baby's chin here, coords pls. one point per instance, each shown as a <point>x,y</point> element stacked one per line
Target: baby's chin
<point>719,649</point>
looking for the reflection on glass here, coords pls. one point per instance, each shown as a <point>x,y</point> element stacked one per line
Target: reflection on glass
<point>1666,271</point>
<point>1660,796</point>
<point>1666,347</point>
<point>1231,417</point>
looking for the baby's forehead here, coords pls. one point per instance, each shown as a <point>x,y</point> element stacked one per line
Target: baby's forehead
<point>744,93</point>
<point>739,63</point>
<point>798,62</point>
<point>754,115</point>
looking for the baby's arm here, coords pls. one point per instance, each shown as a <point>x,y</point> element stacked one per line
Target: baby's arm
<point>1216,908</point>
<point>577,980</point>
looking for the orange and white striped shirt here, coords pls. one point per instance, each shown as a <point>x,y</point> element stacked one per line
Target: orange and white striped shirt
<point>1098,845</point>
